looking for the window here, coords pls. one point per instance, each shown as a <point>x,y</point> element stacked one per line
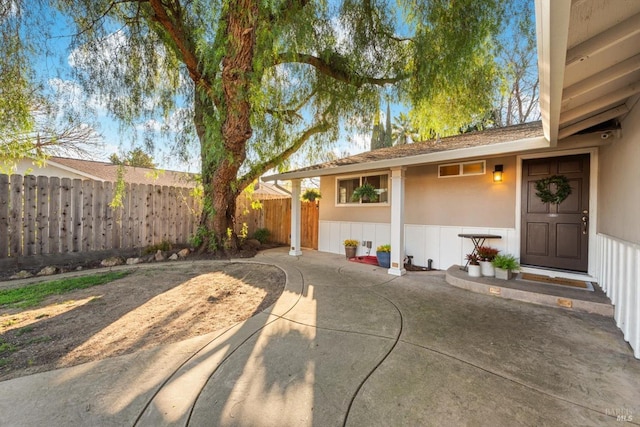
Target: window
<point>462,169</point>
<point>346,187</point>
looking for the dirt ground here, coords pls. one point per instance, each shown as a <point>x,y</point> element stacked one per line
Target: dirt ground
<point>149,307</point>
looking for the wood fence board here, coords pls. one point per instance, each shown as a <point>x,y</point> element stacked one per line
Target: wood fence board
<point>124,229</point>
<point>42,216</point>
<point>30,211</point>
<point>16,217</point>
<point>4,215</point>
<point>77,201</point>
<point>66,225</point>
<point>108,217</point>
<point>171,214</point>
<point>54,215</point>
<point>87,215</point>
<point>150,215</point>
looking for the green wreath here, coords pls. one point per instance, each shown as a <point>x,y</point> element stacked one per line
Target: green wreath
<point>563,189</point>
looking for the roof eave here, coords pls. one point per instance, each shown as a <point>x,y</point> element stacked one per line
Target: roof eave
<point>552,29</point>
<point>74,170</point>
<point>441,156</point>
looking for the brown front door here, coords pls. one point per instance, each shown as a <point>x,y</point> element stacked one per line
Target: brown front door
<point>556,236</point>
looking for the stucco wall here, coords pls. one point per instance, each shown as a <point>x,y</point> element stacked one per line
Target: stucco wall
<point>363,213</point>
<point>472,201</point>
<point>619,183</point>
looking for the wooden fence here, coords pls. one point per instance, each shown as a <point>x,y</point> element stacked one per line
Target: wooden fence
<point>42,215</point>
<point>275,216</point>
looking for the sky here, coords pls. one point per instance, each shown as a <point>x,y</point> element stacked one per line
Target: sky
<point>55,71</point>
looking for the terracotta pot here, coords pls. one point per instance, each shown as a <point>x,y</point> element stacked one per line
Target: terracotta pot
<point>350,251</point>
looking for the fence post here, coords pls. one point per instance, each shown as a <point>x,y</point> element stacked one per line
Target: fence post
<point>4,216</point>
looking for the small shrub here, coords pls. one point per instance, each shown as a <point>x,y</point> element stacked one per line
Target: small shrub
<point>163,246</point>
<point>384,248</point>
<point>262,235</point>
<point>505,262</point>
<point>351,242</point>
<point>487,253</point>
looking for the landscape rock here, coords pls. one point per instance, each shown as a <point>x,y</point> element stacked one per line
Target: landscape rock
<point>79,268</point>
<point>159,256</point>
<point>173,257</point>
<point>132,261</point>
<point>251,244</point>
<point>111,262</point>
<point>47,271</point>
<point>24,274</point>
<point>184,253</point>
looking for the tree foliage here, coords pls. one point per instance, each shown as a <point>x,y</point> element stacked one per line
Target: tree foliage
<point>136,158</point>
<point>262,79</point>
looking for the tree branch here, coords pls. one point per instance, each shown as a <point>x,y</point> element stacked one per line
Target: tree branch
<point>178,35</point>
<point>261,168</point>
<point>334,68</point>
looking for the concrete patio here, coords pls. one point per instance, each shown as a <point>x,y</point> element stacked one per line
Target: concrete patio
<point>348,344</point>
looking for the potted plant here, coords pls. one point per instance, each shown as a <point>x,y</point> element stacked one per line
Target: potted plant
<point>366,192</point>
<point>350,248</point>
<point>383,253</point>
<point>504,265</point>
<point>473,268</point>
<point>486,254</point>
<point>311,195</point>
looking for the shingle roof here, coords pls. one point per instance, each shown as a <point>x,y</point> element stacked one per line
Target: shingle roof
<point>467,140</point>
<point>133,175</point>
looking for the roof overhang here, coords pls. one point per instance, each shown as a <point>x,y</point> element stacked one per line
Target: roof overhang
<point>552,28</point>
<point>420,159</point>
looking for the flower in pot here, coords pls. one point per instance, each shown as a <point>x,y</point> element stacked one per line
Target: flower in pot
<point>350,248</point>
<point>366,192</point>
<point>311,195</point>
<point>504,265</point>
<point>485,255</point>
<point>383,253</point>
<point>473,268</point>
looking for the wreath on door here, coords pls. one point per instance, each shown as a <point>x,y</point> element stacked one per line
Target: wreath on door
<point>563,189</point>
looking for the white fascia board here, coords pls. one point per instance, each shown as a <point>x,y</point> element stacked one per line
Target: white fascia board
<point>76,171</point>
<point>420,159</point>
<point>552,30</point>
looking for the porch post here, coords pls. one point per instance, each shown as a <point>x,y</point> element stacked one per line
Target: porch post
<point>397,222</point>
<point>295,218</point>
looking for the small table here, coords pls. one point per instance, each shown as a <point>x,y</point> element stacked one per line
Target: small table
<point>478,240</point>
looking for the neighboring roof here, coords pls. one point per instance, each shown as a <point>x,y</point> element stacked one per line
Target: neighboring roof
<point>103,171</point>
<point>519,137</point>
<point>263,190</point>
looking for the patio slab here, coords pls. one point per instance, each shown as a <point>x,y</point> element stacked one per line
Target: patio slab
<point>348,344</point>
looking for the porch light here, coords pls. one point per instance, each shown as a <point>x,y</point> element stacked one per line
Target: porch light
<point>497,173</point>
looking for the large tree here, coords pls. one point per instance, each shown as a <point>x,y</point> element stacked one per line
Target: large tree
<point>262,79</point>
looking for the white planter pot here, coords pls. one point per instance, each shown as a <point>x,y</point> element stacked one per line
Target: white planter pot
<point>474,270</point>
<point>503,274</point>
<point>487,269</point>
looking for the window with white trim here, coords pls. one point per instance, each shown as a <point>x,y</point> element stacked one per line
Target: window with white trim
<point>346,186</point>
<point>477,167</point>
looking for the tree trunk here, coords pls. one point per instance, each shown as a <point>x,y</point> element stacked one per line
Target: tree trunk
<point>219,170</point>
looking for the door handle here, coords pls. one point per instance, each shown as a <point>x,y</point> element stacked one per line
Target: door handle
<point>585,222</point>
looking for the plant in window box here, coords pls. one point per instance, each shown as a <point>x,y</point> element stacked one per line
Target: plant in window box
<point>311,195</point>
<point>383,253</point>
<point>350,248</point>
<point>504,265</point>
<point>366,192</point>
<point>473,268</point>
<point>486,254</point>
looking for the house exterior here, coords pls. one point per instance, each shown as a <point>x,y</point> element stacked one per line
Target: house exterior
<point>589,135</point>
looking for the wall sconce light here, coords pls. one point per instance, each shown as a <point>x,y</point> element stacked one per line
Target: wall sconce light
<point>497,173</point>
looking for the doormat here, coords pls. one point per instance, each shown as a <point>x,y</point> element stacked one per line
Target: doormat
<point>555,281</point>
<point>368,259</point>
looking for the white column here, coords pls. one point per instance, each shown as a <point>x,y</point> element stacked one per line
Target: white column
<point>295,218</point>
<point>397,222</point>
